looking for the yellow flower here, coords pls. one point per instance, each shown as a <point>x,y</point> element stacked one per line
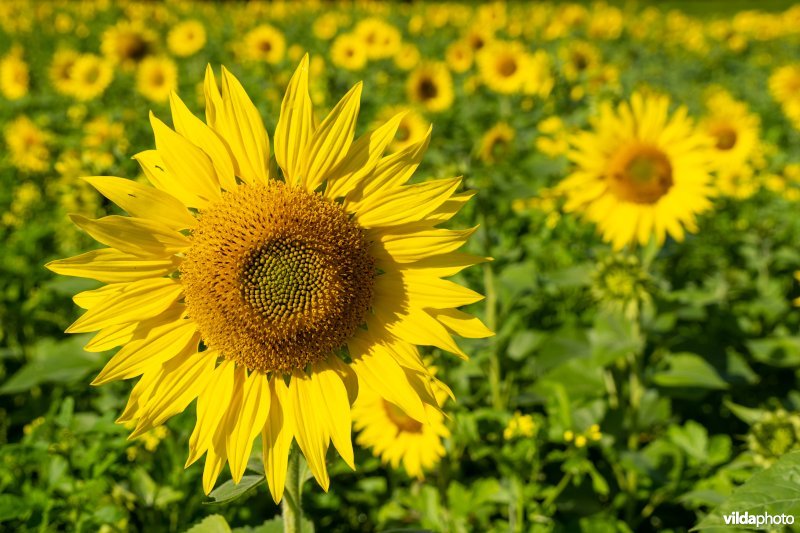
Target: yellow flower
<point>156,77</point>
<point>640,173</point>
<point>28,145</point>
<point>407,57</point>
<point>539,80</point>
<point>784,83</point>
<point>289,290</point>
<point>398,438</point>
<point>326,25</point>
<point>265,43</point>
<point>459,56</point>
<point>496,143</point>
<point>60,70</point>
<point>379,38</point>
<point>127,43</point>
<point>519,426</point>
<point>734,129</point>
<point>14,75</point>
<point>90,75</point>
<point>431,86</point>
<point>187,38</point>
<point>578,57</point>
<point>348,53</point>
<point>503,66</point>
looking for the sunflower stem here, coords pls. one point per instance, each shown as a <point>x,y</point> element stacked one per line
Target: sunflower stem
<point>292,505</point>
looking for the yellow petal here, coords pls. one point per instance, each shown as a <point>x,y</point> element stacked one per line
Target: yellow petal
<point>462,323</point>
<point>245,131</point>
<point>295,125</point>
<point>419,290</point>
<point>136,236</point>
<point>144,202</point>
<point>94,297</point>
<point>156,173</point>
<point>438,266</point>
<point>186,163</point>
<point>276,438</point>
<point>213,97</point>
<point>412,243</point>
<point>160,345</point>
<point>377,369</point>
<point>332,139</point>
<point>119,334</point>
<point>361,159</point>
<point>211,405</point>
<point>111,266</point>
<point>309,428</point>
<point>249,422</point>
<point>205,138</point>
<point>332,395</point>
<point>415,326</point>
<point>181,380</point>
<point>216,456</point>
<point>136,301</point>
<point>408,204</point>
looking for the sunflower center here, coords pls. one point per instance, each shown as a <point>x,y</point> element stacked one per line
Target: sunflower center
<point>400,419</point>
<point>507,66</point>
<point>427,89</point>
<point>726,138</point>
<point>641,174</point>
<point>276,277</point>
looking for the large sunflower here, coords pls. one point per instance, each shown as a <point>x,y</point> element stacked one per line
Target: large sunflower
<point>640,172</point>
<point>272,295</point>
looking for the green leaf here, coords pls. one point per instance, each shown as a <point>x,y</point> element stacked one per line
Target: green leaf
<point>688,370</point>
<point>776,351</point>
<point>613,337</point>
<point>274,525</point>
<point>12,507</point>
<point>774,491</point>
<point>211,524</point>
<point>54,362</point>
<point>692,438</point>
<point>523,343</point>
<point>229,491</point>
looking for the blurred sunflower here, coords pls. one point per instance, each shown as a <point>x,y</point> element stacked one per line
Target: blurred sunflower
<point>90,75</point>
<point>277,303</point>
<point>577,58</point>
<point>156,77</point>
<point>407,57</point>
<point>379,38</point>
<point>186,38</point>
<point>459,56</point>
<point>503,66</point>
<point>60,70</point>
<point>641,173</point>
<point>398,438</point>
<point>411,129</point>
<point>28,145</point>
<point>127,43</point>
<point>264,43</point>
<point>431,86</point>
<point>496,143</point>
<point>347,52</point>
<point>14,75</point>
<point>734,129</point>
<point>784,83</point>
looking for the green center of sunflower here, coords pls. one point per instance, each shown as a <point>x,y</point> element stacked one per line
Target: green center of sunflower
<point>641,174</point>
<point>400,419</point>
<point>276,277</point>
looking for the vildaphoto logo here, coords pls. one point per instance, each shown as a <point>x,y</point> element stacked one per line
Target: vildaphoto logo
<point>764,519</point>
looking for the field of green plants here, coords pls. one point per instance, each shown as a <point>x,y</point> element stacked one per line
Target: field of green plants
<point>636,172</point>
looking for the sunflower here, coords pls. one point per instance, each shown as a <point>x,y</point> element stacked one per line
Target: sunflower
<point>156,77</point>
<point>407,57</point>
<point>431,86</point>
<point>577,58</point>
<point>90,75</point>
<point>14,75</point>
<point>28,145</point>
<point>186,38</point>
<point>272,296</point>
<point>496,143</point>
<point>641,173</point>
<point>379,38</point>
<point>459,56</point>
<point>60,70</point>
<point>127,44</point>
<point>503,66</point>
<point>784,83</point>
<point>398,438</point>
<point>411,129</point>
<point>735,131</point>
<point>348,52</point>
<point>265,43</point>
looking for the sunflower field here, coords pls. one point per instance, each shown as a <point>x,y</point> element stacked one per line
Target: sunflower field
<point>374,266</point>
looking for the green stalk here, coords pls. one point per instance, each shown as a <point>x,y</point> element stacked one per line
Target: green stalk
<point>292,505</point>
